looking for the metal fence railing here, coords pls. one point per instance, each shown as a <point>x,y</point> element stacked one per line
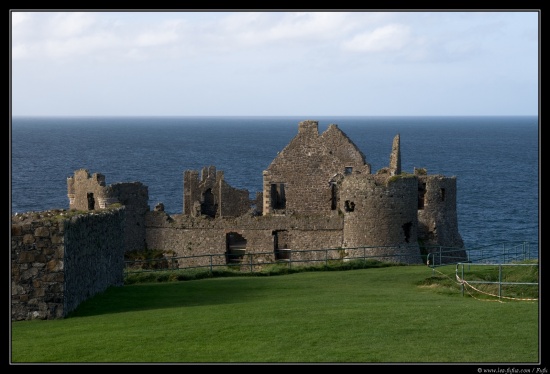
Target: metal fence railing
<point>498,253</point>
<point>246,260</point>
<point>502,281</point>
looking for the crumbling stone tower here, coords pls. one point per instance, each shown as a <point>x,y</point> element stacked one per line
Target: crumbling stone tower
<point>380,211</point>
<point>87,192</point>
<point>437,215</point>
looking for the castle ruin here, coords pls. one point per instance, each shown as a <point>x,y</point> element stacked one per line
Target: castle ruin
<point>318,192</point>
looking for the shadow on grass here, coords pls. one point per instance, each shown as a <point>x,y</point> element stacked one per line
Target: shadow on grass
<point>159,291</point>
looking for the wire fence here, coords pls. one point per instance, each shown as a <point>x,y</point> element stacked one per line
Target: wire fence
<point>497,253</point>
<point>505,279</point>
<point>506,257</point>
<point>246,260</point>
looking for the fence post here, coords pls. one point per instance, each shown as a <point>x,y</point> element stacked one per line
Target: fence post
<point>462,283</point>
<point>499,280</point>
<point>433,265</point>
<point>211,263</point>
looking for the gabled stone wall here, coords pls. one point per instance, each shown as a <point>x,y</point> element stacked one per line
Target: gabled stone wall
<point>298,181</point>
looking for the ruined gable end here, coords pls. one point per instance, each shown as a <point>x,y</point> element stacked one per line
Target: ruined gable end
<point>212,196</point>
<point>299,180</point>
<point>88,192</point>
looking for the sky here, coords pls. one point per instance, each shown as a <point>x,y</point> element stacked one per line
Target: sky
<point>267,63</point>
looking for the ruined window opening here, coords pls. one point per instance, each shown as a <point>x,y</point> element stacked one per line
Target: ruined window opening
<point>208,206</point>
<point>278,199</point>
<point>349,206</point>
<point>333,196</point>
<point>91,201</point>
<point>281,245</point>
<point>421,193</point>
<point>235,247</point>
<point>442,194</point>
<point>348,170</point>
<point>407,231</point>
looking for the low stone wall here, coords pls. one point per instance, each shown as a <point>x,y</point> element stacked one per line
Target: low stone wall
<point>60,258</point>
<point>184,235</point>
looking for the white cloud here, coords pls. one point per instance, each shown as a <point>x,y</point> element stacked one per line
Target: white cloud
<point>68,48</point>
<point>289,28</point>
<point>166,33</point>
<point>19,19</point>
<point>69,25</point>
<point>313,25</point>
<point>66,35</point>
<point>391,37</point>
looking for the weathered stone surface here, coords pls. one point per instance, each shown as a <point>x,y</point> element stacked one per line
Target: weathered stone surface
<point>79,257</point>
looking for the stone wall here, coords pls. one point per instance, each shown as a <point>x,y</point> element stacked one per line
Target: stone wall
<point>134,196</point>
<point>196,236</point>
<point>60,258</point>
<point>212,196</point>
<point>89,193</point>
<point>298,181</point>
<point>233,202</point>
<point>437,215</point>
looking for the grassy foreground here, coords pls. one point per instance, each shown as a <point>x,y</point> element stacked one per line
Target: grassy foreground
<point>395,314</point>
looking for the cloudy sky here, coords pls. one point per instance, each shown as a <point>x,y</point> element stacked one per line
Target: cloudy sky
<point>188,63</point>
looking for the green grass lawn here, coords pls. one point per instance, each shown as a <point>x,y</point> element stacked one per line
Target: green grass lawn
<point>395,314</point>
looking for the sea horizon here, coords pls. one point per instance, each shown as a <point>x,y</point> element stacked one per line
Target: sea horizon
<point>494,158</point>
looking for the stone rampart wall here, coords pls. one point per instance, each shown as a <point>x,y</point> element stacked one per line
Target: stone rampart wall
<point>59,259</point>
<point>135,198</point>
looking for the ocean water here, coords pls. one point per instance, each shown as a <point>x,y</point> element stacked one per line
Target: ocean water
<point>496,159</point>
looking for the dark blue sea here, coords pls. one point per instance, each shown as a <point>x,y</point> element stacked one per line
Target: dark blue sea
<point>496,159</point>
